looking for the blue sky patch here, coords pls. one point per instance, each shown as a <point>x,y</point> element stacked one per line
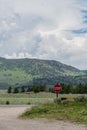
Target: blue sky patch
<point>80,31</point>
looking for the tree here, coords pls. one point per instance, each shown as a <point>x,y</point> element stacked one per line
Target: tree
<point>16,90</point>
<point>22,89</point>
<point>9,89</point>
<point>42,88</point>
<point>80,88</point>
<point>67,88</point>
<point>36,89</point>
<point>28,89</point>
<point>85,88</point>
<point>51,90</point>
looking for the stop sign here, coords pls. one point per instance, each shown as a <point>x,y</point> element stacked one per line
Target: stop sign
<point>57,88</point>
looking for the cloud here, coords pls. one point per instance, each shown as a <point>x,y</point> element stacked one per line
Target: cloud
<point>20,55</point>
<point>41,29</point>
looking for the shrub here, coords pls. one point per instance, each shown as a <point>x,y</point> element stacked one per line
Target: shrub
<point>81,99</point>
<point>57,100</point>
<point>7,102</point>
<point>28,103</point>
<point>65,102</point>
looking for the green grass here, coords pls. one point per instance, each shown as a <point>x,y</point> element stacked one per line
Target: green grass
<point>32,98</point>
<point>14,76</point>
<point>22,101</point>
<point>74,112</point>
<point>45,108</point>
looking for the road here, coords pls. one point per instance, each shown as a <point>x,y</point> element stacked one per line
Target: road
<point>9,121</point>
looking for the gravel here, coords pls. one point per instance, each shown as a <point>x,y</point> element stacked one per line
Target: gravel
<point>9,121</point>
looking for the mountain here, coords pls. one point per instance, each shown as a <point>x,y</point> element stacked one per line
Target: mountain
<point>85,71</point>
<point>17,72</point>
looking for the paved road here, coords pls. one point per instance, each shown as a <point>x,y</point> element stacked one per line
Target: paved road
<point>9,121</point>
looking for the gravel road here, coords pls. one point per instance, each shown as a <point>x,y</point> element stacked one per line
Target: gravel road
<point>9,121</point>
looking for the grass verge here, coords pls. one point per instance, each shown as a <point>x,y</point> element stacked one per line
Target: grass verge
<point>74,112</point>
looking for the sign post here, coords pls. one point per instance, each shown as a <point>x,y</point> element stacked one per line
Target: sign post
<point>57,89</point>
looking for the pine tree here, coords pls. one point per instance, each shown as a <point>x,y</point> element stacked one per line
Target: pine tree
<point>9,89</point>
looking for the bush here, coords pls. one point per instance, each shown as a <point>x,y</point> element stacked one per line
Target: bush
<point>81,99</point>
<point>7,102</point>
<point>65,102</point>
<point>57,100</point>
<point>28,103</point>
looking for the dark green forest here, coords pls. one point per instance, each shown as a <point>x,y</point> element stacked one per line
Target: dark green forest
<point>66,89</point>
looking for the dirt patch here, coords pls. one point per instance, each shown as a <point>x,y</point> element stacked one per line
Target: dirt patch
<point>9,121</point>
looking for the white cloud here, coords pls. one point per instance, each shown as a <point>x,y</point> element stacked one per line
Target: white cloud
<point>20,55</point>
<point>42,29</point>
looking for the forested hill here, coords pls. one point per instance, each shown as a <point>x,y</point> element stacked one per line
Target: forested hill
<point>34,71</point>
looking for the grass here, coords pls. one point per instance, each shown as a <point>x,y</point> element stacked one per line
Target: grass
<point>45,108</point>
<point>32,98</point>
<point>74,112</point>
<point>14,76</point>
<point>22,101</point>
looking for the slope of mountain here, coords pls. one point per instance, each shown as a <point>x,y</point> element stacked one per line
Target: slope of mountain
<point>85,71</point>
<point>29,71</point>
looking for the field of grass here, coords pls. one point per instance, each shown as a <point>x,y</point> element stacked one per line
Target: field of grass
<point>73,112</point>
<point>31,98</point>
<point>45,107</point>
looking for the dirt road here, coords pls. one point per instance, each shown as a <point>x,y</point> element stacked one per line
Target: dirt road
<point>9,121</point>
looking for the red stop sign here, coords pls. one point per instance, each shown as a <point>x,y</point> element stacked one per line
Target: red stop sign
<point>57,88</point>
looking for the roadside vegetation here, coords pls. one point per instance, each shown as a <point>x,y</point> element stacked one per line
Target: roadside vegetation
<point>73,111</point>
<point>71,107</point>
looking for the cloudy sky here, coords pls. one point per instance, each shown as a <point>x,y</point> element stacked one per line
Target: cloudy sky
<point>44,29</point>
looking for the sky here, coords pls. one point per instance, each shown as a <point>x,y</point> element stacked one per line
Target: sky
<point>44,29</point>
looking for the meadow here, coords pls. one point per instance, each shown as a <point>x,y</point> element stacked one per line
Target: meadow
<point>72,112</point>
<point>24,98</point>
<point>31,98</point>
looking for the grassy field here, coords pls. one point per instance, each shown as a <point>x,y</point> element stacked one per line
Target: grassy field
<point>45,107</point>
<point>32,98</point>
<point>73,112</point>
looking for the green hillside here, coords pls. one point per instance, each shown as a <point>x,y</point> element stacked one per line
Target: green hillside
<point>29,71</point>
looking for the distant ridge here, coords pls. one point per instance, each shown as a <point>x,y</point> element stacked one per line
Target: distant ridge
<point>36,71</point>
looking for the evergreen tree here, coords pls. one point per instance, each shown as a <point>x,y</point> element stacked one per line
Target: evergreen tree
<point>16,90</point>
<point>22,89</point>
<point>9,89</point>
<point>85,88</point>
<point>80,88</point>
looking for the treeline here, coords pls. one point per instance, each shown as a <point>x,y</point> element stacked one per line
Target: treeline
<point>23,89</point>
<point>78,89</point>
<point>66,89</point>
